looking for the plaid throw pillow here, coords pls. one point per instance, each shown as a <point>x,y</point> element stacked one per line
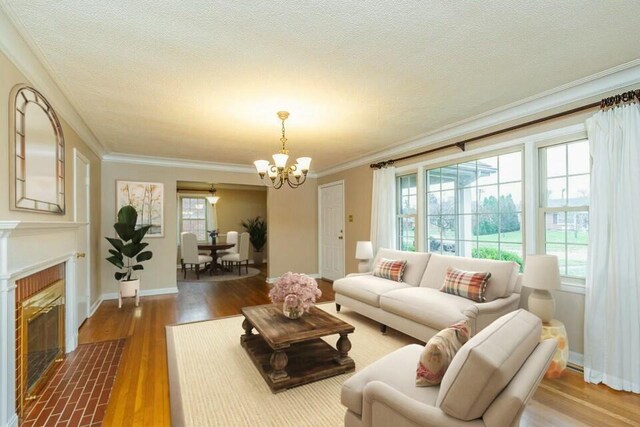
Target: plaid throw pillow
<point>467,284</point>
<point>439,352</point>
<point>390,269</point>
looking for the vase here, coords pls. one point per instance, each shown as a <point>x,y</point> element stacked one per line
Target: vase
<point>292,307</point>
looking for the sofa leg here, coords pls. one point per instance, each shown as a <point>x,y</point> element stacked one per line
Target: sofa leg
<point>338,307</point>
<point>383,328</point>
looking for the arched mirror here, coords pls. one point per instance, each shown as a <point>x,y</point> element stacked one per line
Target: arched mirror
<point>37,146</point>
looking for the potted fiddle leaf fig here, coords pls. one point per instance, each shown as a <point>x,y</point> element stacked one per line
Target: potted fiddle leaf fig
<point>257,229</point>
<point>128,253</point>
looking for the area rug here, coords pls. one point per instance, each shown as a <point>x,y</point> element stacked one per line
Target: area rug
<point>206,277</point>
<point>214,383</point>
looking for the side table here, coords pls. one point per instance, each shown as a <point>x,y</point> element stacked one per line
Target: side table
<point>556,330</point>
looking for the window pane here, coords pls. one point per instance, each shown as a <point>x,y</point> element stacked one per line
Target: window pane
<point>577,226</point>
<point>433,180</point>
<point>449,226</point>
<point>467,248</point>
<point>512,252</point>
<point>556,192</point>
<point>511,197</point>
<point>486,251</point>
<point>467,175</point>
<point>510,167</point>
<point>556,160</point>
<point>488,199</point>
<point>468,200</point>
<point>433,203</point>
<point>577,260</point>
<point>449,177</point>
<point>448,202</point>
<point>511,228</point>
<point>467,227</point>
<point>555,226</point>
<point>435,227</point>
<point>407,233</point>
<point>488,227</point>
<point>449,247</point>
<point>579,158</point>
<point>488,171</point>
<point>579,190</point>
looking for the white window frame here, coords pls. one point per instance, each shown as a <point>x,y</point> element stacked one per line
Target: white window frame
<point>530,143</point>
<point>567,281</point>
<point>206,213</point>
<point>399,216</point>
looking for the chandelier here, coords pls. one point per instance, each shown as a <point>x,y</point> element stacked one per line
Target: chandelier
<point>279,173</point>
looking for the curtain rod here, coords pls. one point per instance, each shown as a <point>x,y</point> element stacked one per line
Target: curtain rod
<point>605,103</point>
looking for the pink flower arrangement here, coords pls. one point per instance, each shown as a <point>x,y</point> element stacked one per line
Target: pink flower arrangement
<point>299,285</point>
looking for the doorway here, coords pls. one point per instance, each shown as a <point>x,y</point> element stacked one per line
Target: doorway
<point>81,215</point>
<point>331,230</point>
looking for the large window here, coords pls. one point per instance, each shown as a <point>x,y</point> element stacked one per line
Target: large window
<point>407,208</point>
<point>193,216</point>
<point>474,209</point>
<point>564,204</point>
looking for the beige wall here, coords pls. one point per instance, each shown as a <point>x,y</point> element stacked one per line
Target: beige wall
<point>235,206</point>
<point>357,199</point>
<point>160,271</point>
<point>9,77</point>
<point>293,229</point>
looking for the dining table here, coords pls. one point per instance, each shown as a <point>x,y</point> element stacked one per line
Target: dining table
<point>214,248</point>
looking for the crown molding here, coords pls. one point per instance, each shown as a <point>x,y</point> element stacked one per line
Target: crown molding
<point>595,85</point>
<point>20,50</point>
<point>135,159</point>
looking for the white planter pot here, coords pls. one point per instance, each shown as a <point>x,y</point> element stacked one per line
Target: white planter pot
<point>128,288</point>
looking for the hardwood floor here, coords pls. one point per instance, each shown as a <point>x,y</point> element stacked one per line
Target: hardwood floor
<point>140,396</point>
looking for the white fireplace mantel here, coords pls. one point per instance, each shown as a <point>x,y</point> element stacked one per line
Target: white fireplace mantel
<point>27,247</point>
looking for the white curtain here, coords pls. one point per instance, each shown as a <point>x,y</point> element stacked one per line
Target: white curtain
<point>612,308</point>
<point>383,209</point>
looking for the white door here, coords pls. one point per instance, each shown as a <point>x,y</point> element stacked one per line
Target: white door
<point>81,215</point>
<point>332,231</point>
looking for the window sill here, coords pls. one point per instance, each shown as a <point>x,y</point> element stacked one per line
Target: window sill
<point>572,288</point>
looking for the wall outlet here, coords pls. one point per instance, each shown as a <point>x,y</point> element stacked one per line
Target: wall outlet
<point>350,218</point>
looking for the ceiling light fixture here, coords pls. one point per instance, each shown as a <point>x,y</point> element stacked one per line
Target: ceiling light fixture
<point>279,173</point>
<point>213,199</point>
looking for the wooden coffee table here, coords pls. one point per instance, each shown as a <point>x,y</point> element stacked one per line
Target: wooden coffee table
<point>289,353</point>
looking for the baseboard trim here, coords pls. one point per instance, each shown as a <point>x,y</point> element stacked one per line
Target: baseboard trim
<point>143,293</point>
<point>313,276</point>
<point>96,305</point>
<point>576,358</point>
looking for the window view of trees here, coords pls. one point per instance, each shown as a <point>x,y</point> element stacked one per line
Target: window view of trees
<point>474,208</point>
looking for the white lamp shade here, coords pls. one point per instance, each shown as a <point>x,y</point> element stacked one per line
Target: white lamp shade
<point>272,173</point>
<point>261,165</point>
<point>541,272</point>
<point>280,160</point>
<point>304,162</point>
<point>364,250</point>
<point>297,171</point>
<point>213,199</point>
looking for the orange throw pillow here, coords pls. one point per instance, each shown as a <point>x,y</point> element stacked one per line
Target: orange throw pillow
<point>468,284</point>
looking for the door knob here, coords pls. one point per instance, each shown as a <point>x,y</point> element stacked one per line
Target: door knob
<point>80,255</point>
<point>340,237</point>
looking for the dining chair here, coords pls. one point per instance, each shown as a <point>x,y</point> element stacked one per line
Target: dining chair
<point>232,238</point>
<point>241,256</point>
<point>190,255</point>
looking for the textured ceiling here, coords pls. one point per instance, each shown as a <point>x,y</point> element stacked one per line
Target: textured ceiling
<point>203,79</point>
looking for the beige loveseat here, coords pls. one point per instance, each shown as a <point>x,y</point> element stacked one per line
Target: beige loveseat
<point>488,384</point>
<point>416,306</point>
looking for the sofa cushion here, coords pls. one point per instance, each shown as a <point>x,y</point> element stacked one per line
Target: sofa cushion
<point>416,263</point>
<point>390,269</point>
<point>439,352</point>
<point>467,284</point>
<point>426,306</point>
<point>503,273</point>
<point>366,288</point>
<point>397,370</point>
<point>486,364</point>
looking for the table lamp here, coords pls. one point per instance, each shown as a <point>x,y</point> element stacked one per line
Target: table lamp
<point>364,252</point>
<point>541,273</point>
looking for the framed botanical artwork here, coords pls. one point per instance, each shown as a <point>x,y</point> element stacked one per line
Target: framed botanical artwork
<point>148,200</point>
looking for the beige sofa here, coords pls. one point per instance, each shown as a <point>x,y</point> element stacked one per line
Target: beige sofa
<point>489,381</point>
<point>416,306</point>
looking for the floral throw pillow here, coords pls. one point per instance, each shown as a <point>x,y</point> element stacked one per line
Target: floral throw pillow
<point>390,269</point>
<point>468,284</point>
<point>439,352</point>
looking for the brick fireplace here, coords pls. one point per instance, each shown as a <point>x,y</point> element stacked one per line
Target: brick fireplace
<point>36,258</point>
<point>39,331</point>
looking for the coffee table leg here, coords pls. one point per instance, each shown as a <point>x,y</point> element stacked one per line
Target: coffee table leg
<point>278,362</point>
<point>343,345</point>
<point>247,326</point>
